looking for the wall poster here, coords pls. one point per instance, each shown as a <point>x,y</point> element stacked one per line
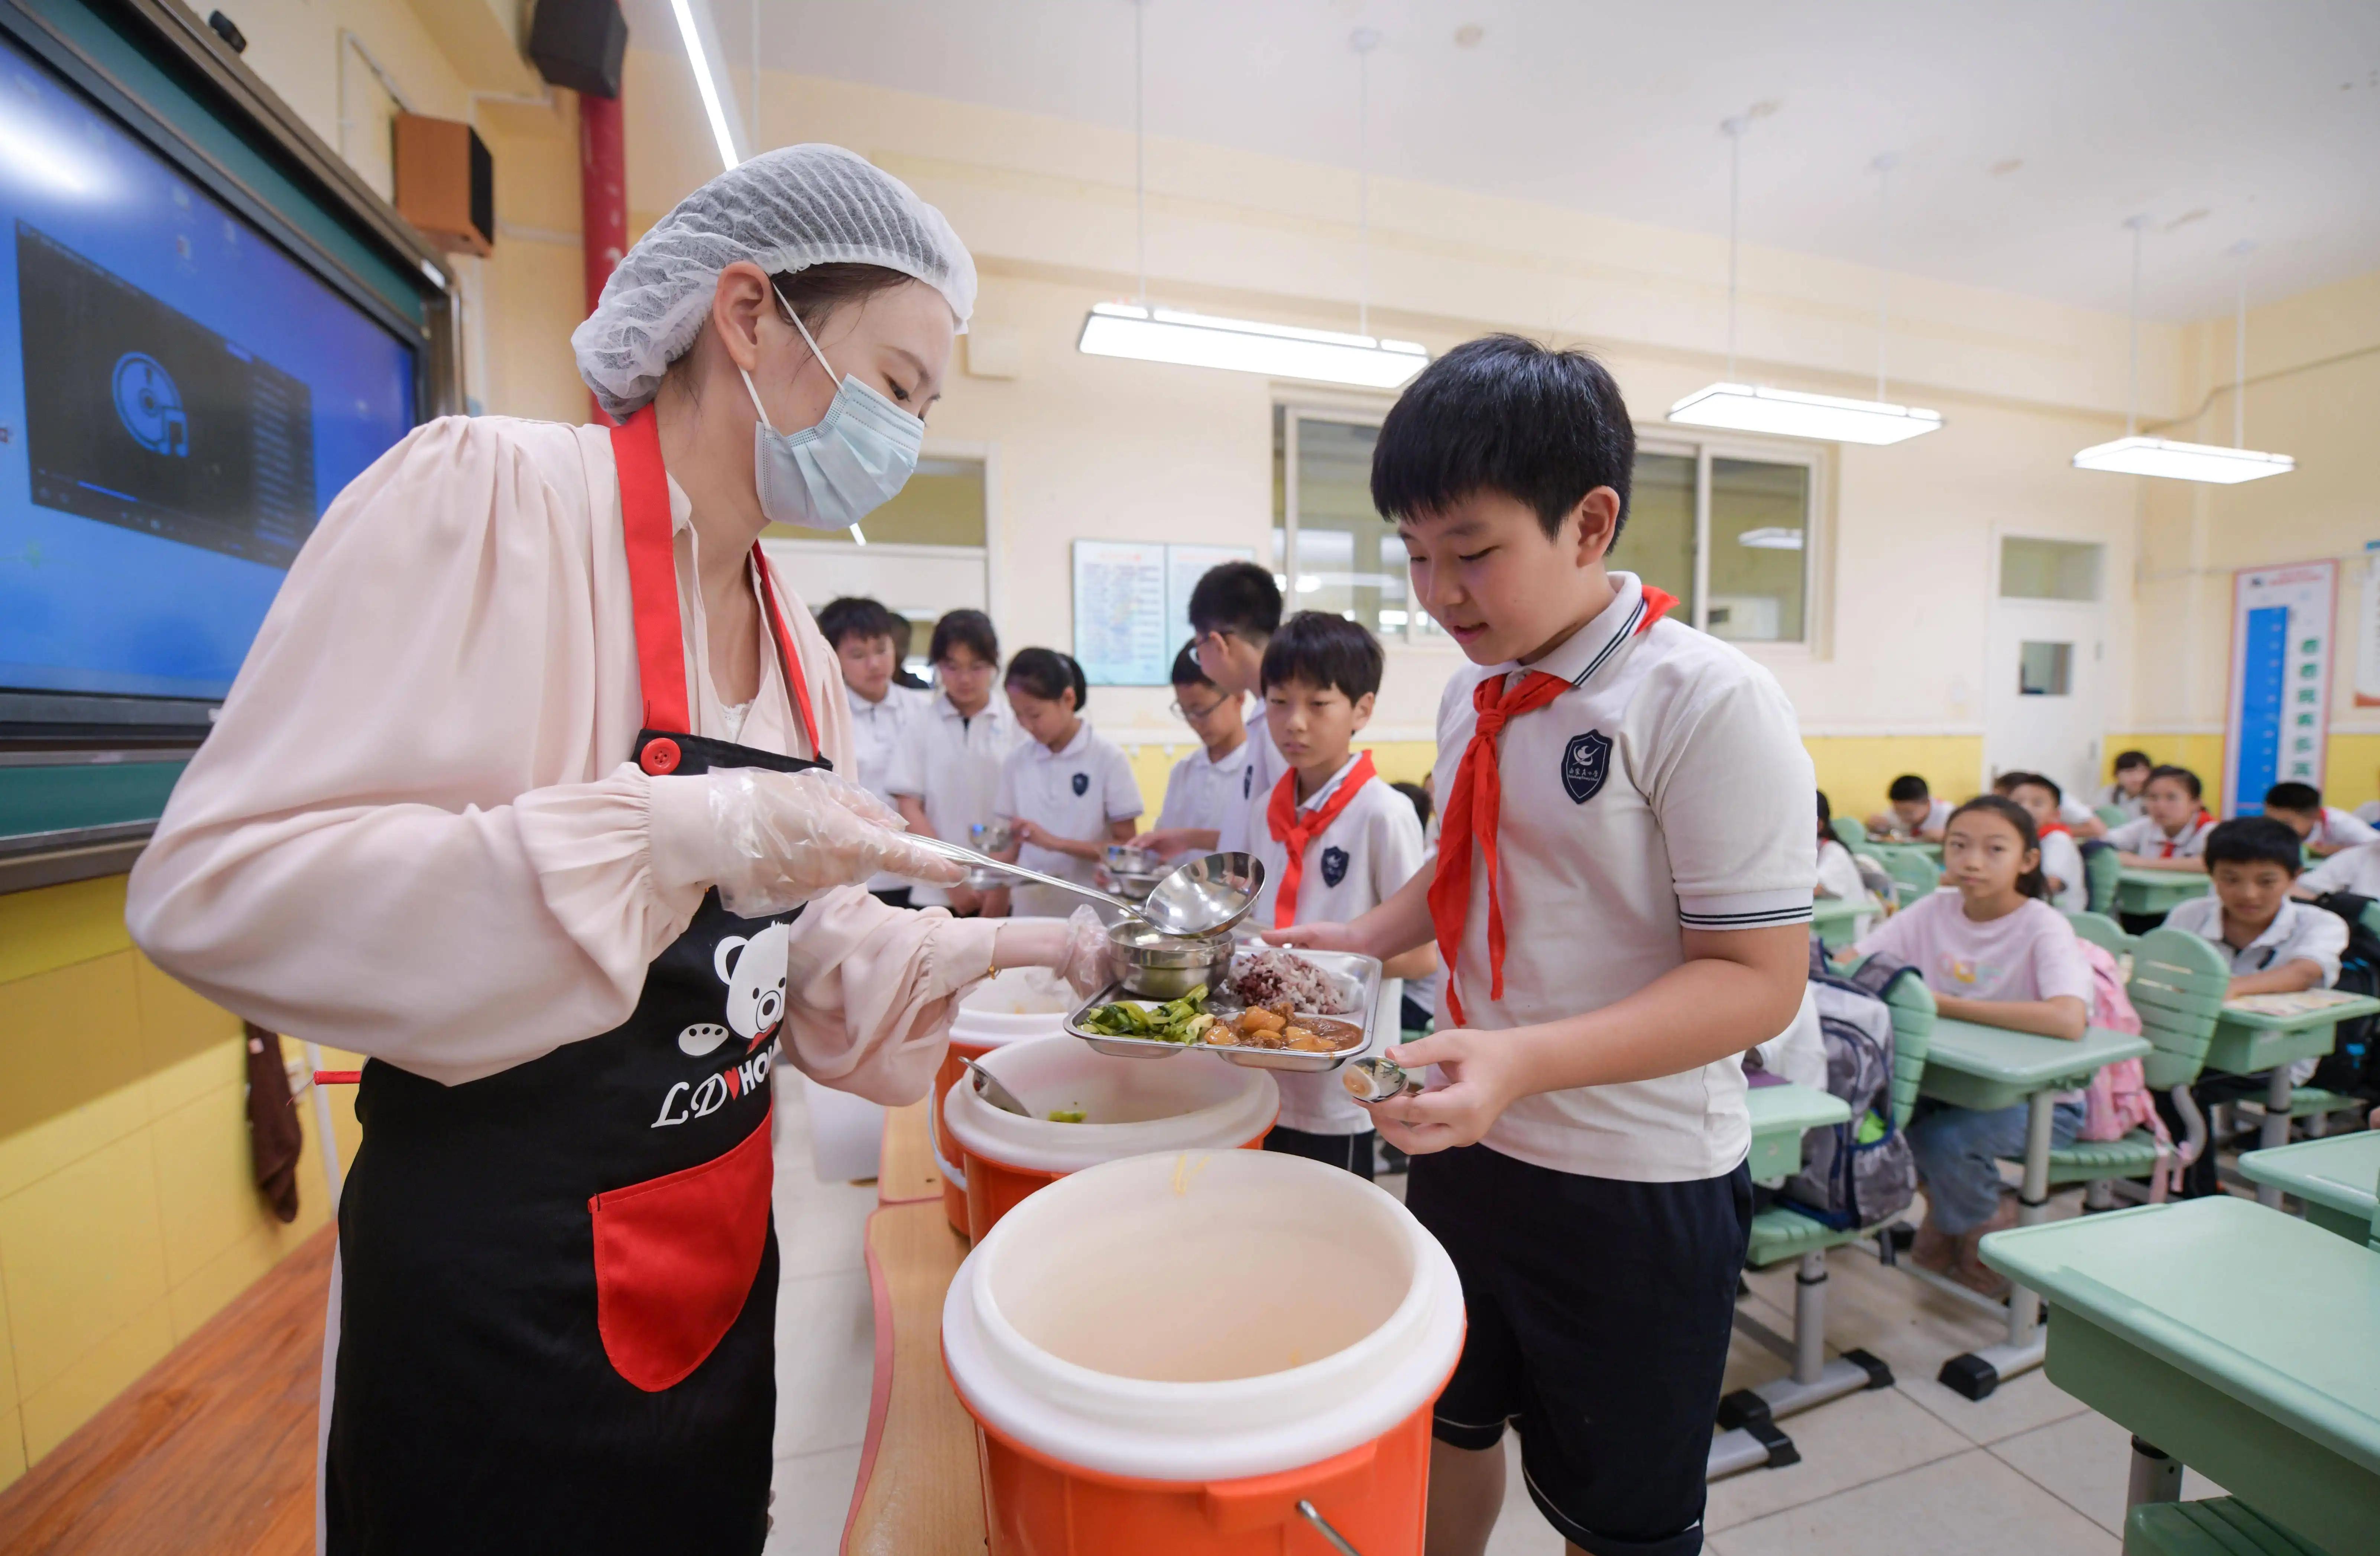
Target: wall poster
<point>2277,716</point>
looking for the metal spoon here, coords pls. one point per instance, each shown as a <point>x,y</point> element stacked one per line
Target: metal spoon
<point>987,1086</point>
<point>1000,867</point>
<point>1379,1078</point>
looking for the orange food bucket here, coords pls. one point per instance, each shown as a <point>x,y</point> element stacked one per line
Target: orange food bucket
<point>1129,1107</point>
<point>1021,1002</point>
<point>1165,1355</point>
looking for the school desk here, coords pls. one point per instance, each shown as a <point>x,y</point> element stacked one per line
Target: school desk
<point>1989,1068</point>
<point>2334,1177</point>
<point>2236,1340</point>
<point>2156,891</point>
<point>2249,1042</point>
<point>1781,1113</point>
<point>1834,919</point>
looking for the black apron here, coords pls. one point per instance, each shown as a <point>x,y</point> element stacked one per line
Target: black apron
<point>559,1282</point>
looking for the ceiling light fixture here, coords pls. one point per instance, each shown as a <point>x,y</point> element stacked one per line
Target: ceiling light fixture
<point>2134,455</point>
<point>718,96</point>
<point>1745,407</point>
<point>1141,331</point>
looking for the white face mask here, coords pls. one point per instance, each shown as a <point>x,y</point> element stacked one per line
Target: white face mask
<point>831,476</point>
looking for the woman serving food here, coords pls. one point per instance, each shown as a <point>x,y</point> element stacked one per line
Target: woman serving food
<point>528,791</point>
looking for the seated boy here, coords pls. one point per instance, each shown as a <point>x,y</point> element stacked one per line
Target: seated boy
<point>2061,856</point>
<point>2323,830</point>
<point>1621,899</point>
<point>2355,870</point>
<point>1916,812</point>
<point>1337,842</point>
<point>1210,786</point>
<point>2173,834</point>
<point>1235,611</point>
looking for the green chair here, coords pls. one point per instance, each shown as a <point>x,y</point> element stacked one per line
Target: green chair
<point>2178,984</point>
<point>2216,1526</point>
<point>2101,867</point>
<point>2112,817</point>
<point>2101,931</point>
<point>1749,1437</point>
<point>1851,830</point>
<point>1913,875</point>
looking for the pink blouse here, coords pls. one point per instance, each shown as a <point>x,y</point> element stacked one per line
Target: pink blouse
<point>413,833</point>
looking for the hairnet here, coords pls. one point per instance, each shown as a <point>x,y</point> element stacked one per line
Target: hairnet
<point>784,210</point>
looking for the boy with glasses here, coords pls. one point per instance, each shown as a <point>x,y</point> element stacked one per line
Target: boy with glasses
<point>1205,789</point>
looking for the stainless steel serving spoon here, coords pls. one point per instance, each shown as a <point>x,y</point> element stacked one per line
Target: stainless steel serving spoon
<point>987,1086</point>
<point>1202,896</point>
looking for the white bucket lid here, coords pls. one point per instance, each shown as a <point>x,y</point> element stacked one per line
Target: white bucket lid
<point>1202,1263</point>
<point>1171,1104</point>
<point>1021,1002</point>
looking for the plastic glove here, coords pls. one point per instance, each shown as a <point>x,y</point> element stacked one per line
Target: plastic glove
<point>788,837</point>
<point>1075,948</point>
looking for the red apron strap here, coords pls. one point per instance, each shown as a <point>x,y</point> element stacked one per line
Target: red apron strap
<point>791,661</point>
<point>652,571</point>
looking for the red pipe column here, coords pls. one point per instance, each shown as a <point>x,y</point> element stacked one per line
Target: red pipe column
<point>602,197</point>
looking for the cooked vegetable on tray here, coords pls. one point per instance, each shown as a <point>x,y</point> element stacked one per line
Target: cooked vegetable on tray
<point>1176,1021</point>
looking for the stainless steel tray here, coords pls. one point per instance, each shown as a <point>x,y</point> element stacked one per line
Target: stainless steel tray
<point>1357,974</point>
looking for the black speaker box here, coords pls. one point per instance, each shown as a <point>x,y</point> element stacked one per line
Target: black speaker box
<point>578,44</point>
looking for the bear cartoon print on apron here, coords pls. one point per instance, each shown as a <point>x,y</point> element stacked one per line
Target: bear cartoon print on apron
<point>558,1283</point>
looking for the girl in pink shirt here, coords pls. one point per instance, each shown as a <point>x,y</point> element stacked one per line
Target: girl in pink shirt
<point>1993,951</point>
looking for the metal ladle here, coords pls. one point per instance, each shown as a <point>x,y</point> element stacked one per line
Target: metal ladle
<point>1203,897</point>
<point>987,1086</point>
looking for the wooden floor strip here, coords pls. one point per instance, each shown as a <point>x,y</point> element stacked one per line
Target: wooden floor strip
<point>211,1451</point>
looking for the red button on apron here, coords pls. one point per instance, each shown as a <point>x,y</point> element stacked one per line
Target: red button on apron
<point>659,757</point>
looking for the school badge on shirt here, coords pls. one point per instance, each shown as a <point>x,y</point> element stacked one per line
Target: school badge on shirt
<point>1587,762</point>
<point>1334,866</point>
<point>1082,782</point>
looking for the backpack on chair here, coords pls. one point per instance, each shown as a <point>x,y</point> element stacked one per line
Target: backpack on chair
<point>2353,1064</point>
<point>1861,1172</point>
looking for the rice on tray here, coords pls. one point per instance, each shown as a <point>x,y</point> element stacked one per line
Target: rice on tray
<point>1267,974</point>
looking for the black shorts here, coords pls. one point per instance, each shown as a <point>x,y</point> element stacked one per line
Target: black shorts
<point>1352,1151</point>
<point>1599,1315</point>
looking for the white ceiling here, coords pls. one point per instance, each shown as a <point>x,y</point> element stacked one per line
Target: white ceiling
<point>2223,120</point>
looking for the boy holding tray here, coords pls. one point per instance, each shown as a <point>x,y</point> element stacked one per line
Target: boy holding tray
<point>1336,841</point>
<point>1621,897</point>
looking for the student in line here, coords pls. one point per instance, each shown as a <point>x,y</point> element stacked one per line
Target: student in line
<point>945,776</point>
<point>863,632</point>
<point>2061,856</point>
<point>1068,792</point>
<point>1337,843</point>
<point>1916,812</point>
<point>1210,786</point>
<point>2132,770</point>
<point>1992,950</point>
<point>1420,1004</point>
<point>1235,611</point>
<point>2324,830</point>
<point>1621,900</point>
<point>2172,834</point>
<point>1838,873</point>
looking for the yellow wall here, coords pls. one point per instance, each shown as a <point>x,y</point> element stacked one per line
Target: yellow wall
<point>128,1214</point>
<point>1855,770</point>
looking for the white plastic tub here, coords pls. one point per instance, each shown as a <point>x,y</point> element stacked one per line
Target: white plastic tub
<point>1198,1318</point>
<point>1021,1002</point>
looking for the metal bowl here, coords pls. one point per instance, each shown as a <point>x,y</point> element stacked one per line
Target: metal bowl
<point>1162,966</point>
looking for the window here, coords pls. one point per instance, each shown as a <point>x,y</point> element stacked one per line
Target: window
<point>1749,518</point>
<point>2044,669</point>
<point>2034,569</point>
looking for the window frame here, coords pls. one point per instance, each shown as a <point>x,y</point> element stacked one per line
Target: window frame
<point>1659,438</point>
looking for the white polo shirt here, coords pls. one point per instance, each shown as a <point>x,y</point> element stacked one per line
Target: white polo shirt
<point>2147,839</point>
<point>2061,856</point>
<point>1368,851</point>
<point>2339,829</point>
<point>2298,932</point>
<point>1246,823</point>
<point>1667,790</point>
<point>1075,793</point>
<point>1201,792</point>
<point>2132,806</point>
<point>876,730</point>
<point>951,765</point>
<point>2353,869</point>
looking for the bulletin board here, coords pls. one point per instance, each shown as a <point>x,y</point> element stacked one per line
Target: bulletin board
<point>1131,606</point>
<point>2279,711</point>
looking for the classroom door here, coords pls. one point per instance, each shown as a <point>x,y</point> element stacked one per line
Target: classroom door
<point>2045,679</point>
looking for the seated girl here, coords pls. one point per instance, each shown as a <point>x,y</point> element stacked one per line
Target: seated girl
<point>1993,951</point>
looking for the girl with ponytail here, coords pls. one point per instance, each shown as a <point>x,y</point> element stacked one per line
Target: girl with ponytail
<point>1993,951</point>
<point>1066,792</point>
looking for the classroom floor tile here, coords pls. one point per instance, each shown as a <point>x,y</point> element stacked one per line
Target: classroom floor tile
<point>812,1494</point>
<point>1968,1504</point>
<point>2085,1462</point>
<point>1844,1443</point>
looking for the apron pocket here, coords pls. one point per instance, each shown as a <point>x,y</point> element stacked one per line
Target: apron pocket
<point>674,1260</point>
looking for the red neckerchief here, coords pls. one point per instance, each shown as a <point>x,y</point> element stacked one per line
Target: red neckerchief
<point>2170,843</point>
<point>1476,805</point>
<point>1295,832</point>
<point>2056,826</point>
